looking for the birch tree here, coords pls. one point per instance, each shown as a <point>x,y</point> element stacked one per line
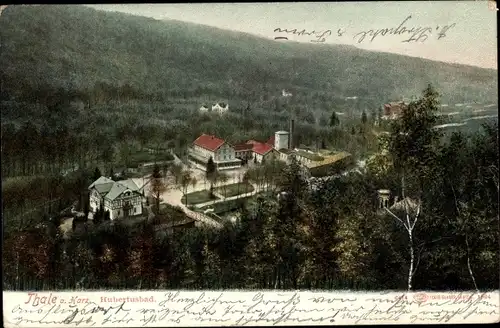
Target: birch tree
<point>413,144</point>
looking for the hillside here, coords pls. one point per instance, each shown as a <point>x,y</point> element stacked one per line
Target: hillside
<point>78,49</point>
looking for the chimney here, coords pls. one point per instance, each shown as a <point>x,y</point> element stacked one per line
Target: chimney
<point>290,138</point>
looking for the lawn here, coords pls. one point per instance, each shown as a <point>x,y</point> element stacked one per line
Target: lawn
<point>198,197</point>
<point>141,157</point>
<point>226,206</point>
<point>234,189</point>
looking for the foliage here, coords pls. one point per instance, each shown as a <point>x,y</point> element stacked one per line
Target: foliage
<point>334,119</point>
<point>157,185</point>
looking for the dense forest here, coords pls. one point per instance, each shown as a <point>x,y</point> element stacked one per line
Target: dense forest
<point>96,56</point>
<point>443,234</point>
<point>93,87</point>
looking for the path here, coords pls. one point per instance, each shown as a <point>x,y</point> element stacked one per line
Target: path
<point>173,196</point>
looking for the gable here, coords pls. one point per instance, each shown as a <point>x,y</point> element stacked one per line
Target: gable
<point>209,142</point>
<point>128,193</point>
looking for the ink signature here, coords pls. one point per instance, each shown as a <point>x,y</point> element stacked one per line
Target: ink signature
<point>319,36</point>
<point>410,34</point>
<point>416,34</point>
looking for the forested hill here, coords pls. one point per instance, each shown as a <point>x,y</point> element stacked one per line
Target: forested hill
<point>77,49</point>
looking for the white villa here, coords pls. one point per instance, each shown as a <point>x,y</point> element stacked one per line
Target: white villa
<point>120,198</point>
<point>222,153</point>
<point>203,108</point>
<point>220,107</point>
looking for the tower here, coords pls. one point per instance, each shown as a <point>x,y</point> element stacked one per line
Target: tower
<point>290,138</point>
<point>383,197</point>
<point>281,140</point>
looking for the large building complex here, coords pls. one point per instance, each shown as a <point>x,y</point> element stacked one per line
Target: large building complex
<point>279,146</point>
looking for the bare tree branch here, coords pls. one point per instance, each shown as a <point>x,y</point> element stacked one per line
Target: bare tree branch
<point>396,217</point>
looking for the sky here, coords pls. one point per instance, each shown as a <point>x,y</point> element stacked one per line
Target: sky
<point>471,37</point>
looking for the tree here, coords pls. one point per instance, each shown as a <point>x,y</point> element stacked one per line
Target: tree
<point>223,178</point>
<point>157,186</point>
<point>194,182</point>
<point>185,182</point>
<point>141,257</point>
<point>99,215</point>
<point>211,172</point>
<point>176,170</point>
<point>97,174</point>
<point>334,119</point>
<point>373,116</point>
<point>364,118</point>
<point>413,145</point>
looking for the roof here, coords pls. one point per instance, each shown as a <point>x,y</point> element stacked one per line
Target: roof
<point>329,159</point>
<point>140,182</point>
<point>285,151</point>
<point>395,106</point>
<point>271,141</point>
<point>104,188</point>
<point>412,204</point>
<point>262,148</point>
<point>311,156</point>
<point>130,184</point>
<point>209,142</point>
<point>112,189</point>
<point>244,146</point>
<point>253,142</point>
<point>120,187</point>
<point>115,191</point>
<point>100,181</point>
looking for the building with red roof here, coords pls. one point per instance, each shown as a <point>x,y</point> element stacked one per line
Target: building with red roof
<point>262,151</point>
<point>208,142</point>
<point>209,146</point>
<point>243,151</point>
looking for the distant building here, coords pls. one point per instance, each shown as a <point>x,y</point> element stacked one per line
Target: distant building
<point>285,93</point>
<point>204,108</point>
<point>393,110</point>
<point>220,107</point>
<point>222,153</point>
<point>120,198</point>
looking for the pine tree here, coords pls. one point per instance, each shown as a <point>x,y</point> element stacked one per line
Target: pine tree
<point>334,119</point>
<point>364,119</point>
<point>211,173</point>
